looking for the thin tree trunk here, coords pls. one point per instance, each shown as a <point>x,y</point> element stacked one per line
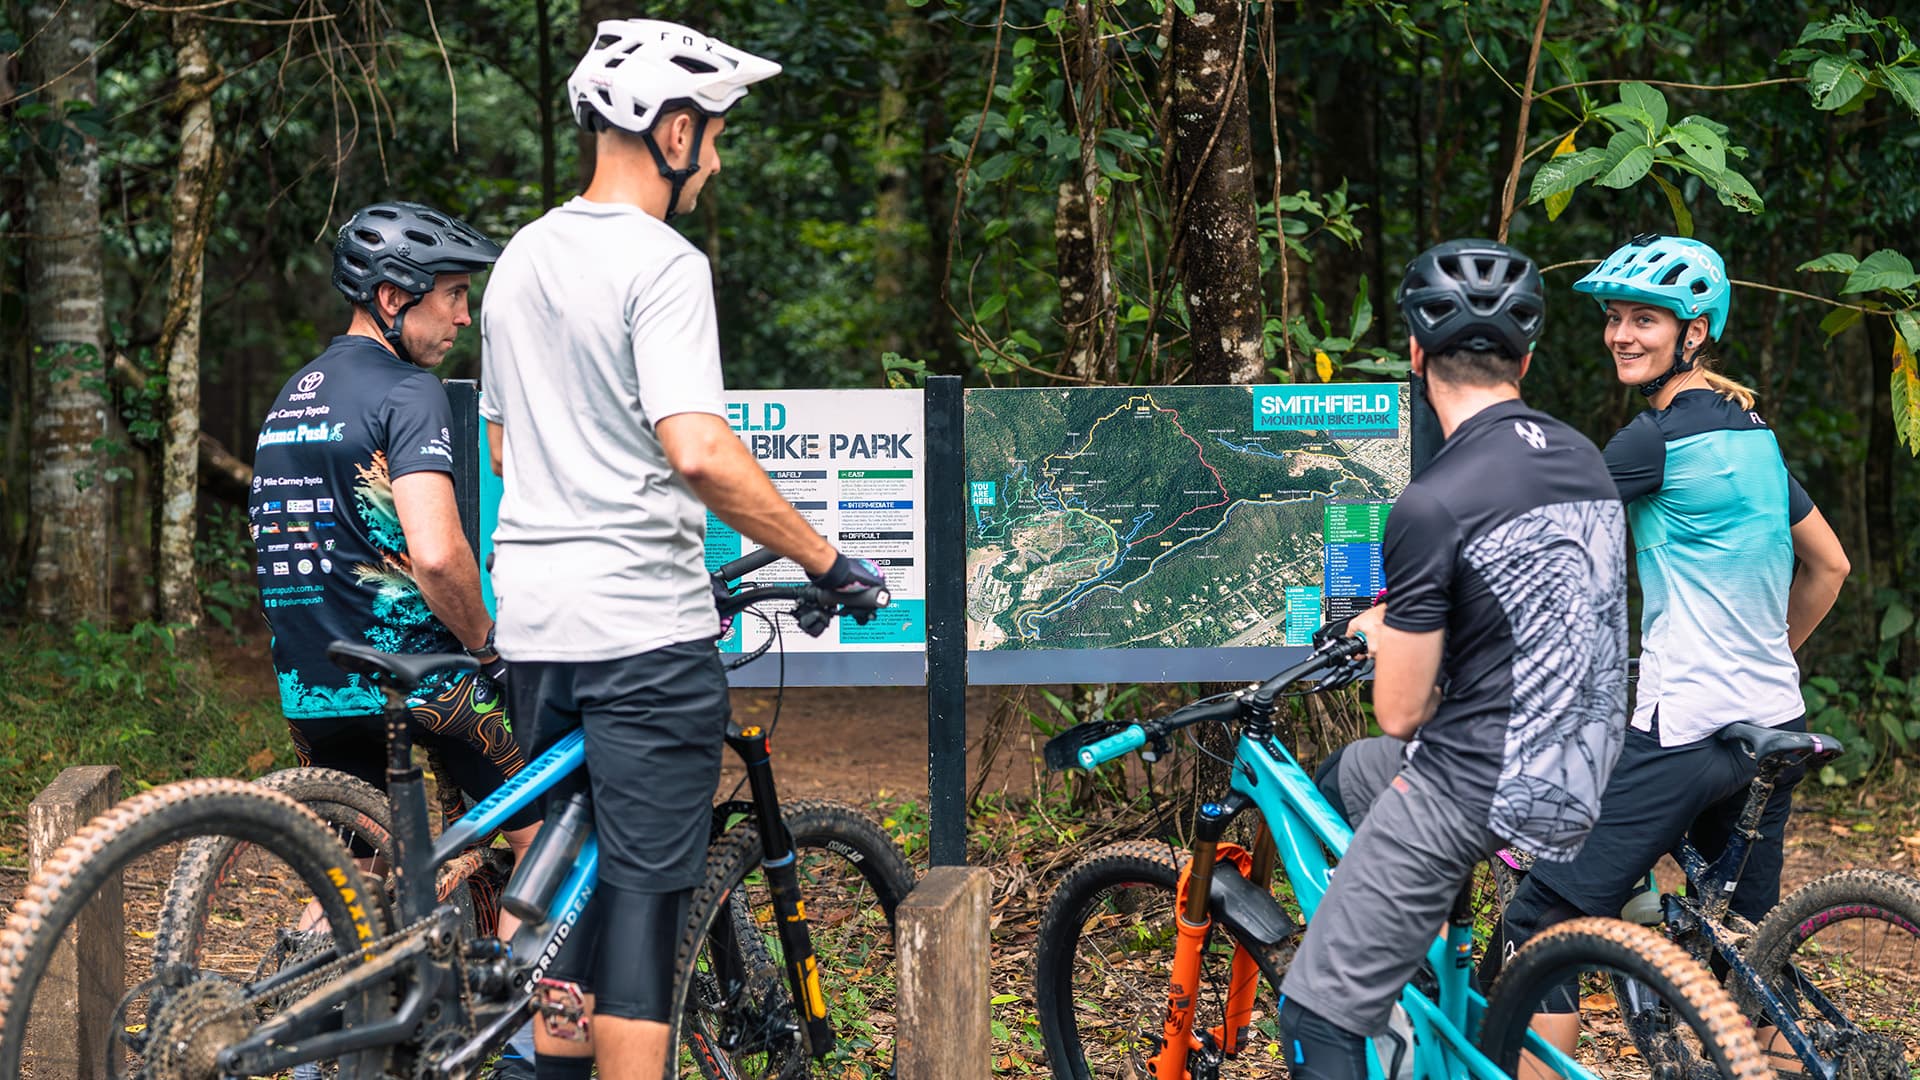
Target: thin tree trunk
<point>543,81</point>
<point>1082,240</point>
<point>893,254</point>
<point>592,14</point>
<point>195,190</point>
<point>67,496</point>
<point>1213,192</point>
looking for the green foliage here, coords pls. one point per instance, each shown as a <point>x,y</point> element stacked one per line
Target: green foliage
<point>132,698</point>
<point>1875,711</point>
<point>1842,77</point>
<point>1887,282</point>
<point>1641,139</point>
<point>223,558</point>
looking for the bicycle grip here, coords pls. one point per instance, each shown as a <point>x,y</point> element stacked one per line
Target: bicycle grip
<point>1093,755</point>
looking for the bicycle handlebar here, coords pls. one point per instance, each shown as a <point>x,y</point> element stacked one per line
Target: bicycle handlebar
<point>1332,651</point>
<point>814,606</point>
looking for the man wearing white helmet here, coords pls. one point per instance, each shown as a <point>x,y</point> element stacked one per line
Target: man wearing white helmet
<point>602,381</point>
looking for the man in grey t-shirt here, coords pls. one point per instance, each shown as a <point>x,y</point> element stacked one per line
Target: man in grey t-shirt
<point>602,380</point>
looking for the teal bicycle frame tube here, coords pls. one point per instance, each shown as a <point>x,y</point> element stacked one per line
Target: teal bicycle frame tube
<point>560,761</point>
<point>1305,828</point>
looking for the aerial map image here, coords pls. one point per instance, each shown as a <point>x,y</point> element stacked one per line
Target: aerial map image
<point>1177,516</point>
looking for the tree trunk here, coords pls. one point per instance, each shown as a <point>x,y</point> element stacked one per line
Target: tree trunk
<point>1082,240</point>
<point>893,254</point>
<point>543,81</point>
<point>67,496</point>
<point>195,190</point>
<point>1212,193</point>
<point>592,14</point>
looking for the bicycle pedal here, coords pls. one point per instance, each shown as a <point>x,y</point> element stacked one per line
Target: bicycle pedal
<point>564,1008</point>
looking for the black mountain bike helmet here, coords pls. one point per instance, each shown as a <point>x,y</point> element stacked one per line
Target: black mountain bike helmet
<point>1476,295</point>
<point>406,245</point>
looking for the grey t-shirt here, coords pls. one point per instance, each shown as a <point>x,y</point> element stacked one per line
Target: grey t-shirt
<point>598,323</point>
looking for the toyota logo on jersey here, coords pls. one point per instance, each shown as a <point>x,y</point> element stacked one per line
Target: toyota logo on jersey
<point>311,381</point>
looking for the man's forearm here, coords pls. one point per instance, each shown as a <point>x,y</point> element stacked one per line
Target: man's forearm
<point>748,502</point>
<point>452,593</point>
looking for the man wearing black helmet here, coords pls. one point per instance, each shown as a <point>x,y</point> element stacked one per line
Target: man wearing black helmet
<point>1500,657</point>
<point>353,515</point>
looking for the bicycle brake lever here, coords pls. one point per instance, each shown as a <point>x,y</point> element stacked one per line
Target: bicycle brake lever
<point>811,619</point>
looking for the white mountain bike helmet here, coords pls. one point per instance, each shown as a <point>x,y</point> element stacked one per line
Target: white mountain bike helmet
<point>638,70</point>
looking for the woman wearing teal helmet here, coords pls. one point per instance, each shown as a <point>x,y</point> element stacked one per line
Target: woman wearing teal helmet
<point>1717,525</point>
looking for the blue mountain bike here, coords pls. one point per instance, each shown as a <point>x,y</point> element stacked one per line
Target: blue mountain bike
<point>794,920</point>
<point>1159,962</point>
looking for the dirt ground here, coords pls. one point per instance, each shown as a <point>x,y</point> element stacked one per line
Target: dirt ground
<point>868,746</point>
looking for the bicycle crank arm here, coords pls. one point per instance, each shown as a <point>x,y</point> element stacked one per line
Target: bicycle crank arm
<point>473,1053</point>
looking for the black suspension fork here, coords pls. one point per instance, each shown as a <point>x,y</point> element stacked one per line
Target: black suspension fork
<point>414,897</point>
<point>780,863</point>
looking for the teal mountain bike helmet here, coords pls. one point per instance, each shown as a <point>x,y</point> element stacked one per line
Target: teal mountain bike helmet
<point>1683,276</point>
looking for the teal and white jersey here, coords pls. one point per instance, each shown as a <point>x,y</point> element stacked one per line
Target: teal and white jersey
<point>1711,508</point>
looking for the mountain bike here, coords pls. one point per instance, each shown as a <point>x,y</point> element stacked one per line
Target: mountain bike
<point>1151,960</point>
<point>398,984</point>
<point>1834,968</point>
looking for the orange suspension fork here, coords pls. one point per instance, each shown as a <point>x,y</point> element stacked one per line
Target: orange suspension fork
<point>1193,925</point>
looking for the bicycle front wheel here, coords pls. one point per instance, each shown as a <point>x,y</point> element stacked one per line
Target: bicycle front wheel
<point>1105,955</point>
<point>166,1018</point>
<point>1679,1025</point>
<point>735,1014</point>
<point>1842,953</point>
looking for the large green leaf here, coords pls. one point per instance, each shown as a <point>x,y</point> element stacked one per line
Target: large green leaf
<point>1833,262</point>
<point>1884,269</point>
<point>1834,81</point>
<point>1567,172</point>
<point>1903,83</point>
<point>1908,323</point>
<point>1736,191</point>
<point>1362,310</point>
<point>1648,100</point>
<point>1682,217</point>
<point>1702,144</point>
<point>1839,320</point>
<point>1629,169</point>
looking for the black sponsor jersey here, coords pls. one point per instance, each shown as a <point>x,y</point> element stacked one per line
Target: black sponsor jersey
<point>1513,541</point>
<point>332,560</point>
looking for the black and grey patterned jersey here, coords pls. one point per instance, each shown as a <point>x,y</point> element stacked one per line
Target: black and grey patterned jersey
<point>1513,541</point>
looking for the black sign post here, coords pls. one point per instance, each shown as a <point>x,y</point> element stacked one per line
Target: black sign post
<point>946,525</point>
<point>464,397</point>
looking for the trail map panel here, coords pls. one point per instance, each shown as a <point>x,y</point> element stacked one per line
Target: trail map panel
<point>1173,521</point>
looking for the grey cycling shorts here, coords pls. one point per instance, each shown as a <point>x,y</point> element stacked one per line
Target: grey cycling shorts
<point>1389,898</point>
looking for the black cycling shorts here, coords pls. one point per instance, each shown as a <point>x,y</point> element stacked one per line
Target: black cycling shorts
<point>463,724</point>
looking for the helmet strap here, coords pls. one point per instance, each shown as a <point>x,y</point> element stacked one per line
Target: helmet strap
<point>678,177</point>
<point>1681,365</point>
<point>392,333</point>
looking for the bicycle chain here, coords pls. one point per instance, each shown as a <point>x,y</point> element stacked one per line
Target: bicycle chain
<point>300,987</point>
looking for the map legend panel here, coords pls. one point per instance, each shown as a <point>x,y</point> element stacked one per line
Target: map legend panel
<point>850,462</point>
<point>1351,535</point>
<point>1303,614</point>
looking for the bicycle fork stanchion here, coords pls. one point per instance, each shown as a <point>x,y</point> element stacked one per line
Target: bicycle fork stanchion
<point>780,863</point>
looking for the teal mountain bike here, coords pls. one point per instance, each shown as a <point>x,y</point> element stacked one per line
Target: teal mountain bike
<point>1158,962</point>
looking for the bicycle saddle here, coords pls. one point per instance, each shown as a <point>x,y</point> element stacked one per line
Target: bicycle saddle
<point>1761,743</point>
<point>408,671</point>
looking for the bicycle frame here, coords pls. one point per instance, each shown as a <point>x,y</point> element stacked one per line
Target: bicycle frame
<point>1305,829</point>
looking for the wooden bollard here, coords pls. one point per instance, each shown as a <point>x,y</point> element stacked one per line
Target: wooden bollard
<point>83,987</point>
<point>942,1031</point>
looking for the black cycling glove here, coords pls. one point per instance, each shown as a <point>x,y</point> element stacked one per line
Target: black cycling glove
<point>850,575</point>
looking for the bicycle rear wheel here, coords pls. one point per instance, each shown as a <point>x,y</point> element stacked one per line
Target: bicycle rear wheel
<point>172,1018</point>
<point>1843,954</point>
<point>734,1014</point>
<point>1681,1025</point>
<point>1105,954</point>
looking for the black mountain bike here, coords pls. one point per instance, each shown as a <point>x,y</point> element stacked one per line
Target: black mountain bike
<point>396,983</point>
